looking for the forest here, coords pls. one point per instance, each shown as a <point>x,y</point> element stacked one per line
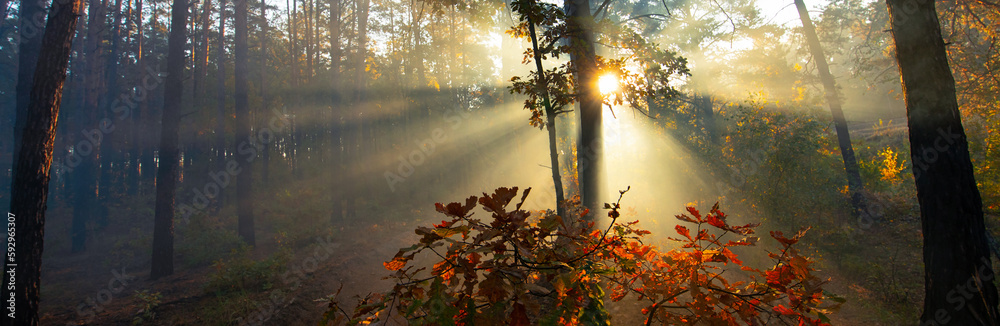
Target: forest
<point>516,162</point>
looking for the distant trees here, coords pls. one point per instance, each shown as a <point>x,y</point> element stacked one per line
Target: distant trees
<point>956,255</point>
<point>244,191</point>
<point>166,185</point>
<point>30,187</point>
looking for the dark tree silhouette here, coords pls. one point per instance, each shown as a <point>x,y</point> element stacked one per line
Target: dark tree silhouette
<point>220,106</point>
<point>956,256</point>
<point>166,186</point>
<point>244,192</point>
<point>840,123</point>
<point>583,56</point>
<point>30,188</point>
<point>30,35</point>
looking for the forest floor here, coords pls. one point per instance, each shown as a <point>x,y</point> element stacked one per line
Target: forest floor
<point>76,293</point>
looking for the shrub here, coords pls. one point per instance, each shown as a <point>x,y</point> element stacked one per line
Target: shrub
<point>514,269</point>
<point>242,273</point>
<point>148,302</point>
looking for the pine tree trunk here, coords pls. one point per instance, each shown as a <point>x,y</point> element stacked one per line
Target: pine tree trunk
<point>31,183</point>
<point>956,256</point>
<point>309,40</point>
<point>296,78</point>
<point>590,149</point>
<point>147,136</point>
<point>266,147</point>
<point>244,191</point>
<point>87,173</point>
<point>109,157</point>
<point>857,188</point>
<point>220,107</point>
<point>362,51</point>
<point>31,40</point>
<point>201,55</point>
<point>166,186</point>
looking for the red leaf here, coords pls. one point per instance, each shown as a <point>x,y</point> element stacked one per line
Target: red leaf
<point>778,235</point>
<point>457,209</point>
<point>783,310</point>
<point>717,222</point>
<point>682,230</point>
<point>694,211</point>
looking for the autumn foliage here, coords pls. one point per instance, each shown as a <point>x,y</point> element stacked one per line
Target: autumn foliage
<point>515,268</point>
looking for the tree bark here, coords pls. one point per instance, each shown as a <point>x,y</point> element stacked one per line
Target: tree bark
<point>590,149</point>
<point>31,183</point>
<point>244,193</point>
<point>359,65</point>
<point>110,158</point>
<point>32,19</point>
<point>956,256</point>
<point>854,183</point>
<point>85,192</point>
<point>201,54</point>
<point>296,79</point>
<point>146,156</point>
<point>266,147</point>
<point>220,107</point>
<point>166,186</point>
<point>309,40</point>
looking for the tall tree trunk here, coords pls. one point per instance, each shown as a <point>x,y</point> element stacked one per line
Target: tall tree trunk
<point>362,54</point>
<point>146,157</point>
<point>85,194</point>
<point>296,79</point>
<point>840,123</point>
<point>550,120</point>
<point>201,54</point>
<point>110,159</point>
<point>220,107</point>
<point>265,99</point>
<point>132,152</point>
<point>244,191</point>
<point>31,183</point>
<point>590,149</point>
<point>956,255</point>
<point>705,113</point>
<point>32,17</point>
<point>166,186</point>
<point>309,41</point>
<point>337,193</point>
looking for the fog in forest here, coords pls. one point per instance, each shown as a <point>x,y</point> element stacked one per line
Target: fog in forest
<point>299,162</point>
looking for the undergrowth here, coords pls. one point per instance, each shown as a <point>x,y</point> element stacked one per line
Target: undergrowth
<point>515,268</point>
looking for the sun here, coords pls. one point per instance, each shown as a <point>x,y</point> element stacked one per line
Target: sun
<point>608,84</point>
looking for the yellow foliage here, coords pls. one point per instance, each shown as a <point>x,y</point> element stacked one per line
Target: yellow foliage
<point>891,166</point>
